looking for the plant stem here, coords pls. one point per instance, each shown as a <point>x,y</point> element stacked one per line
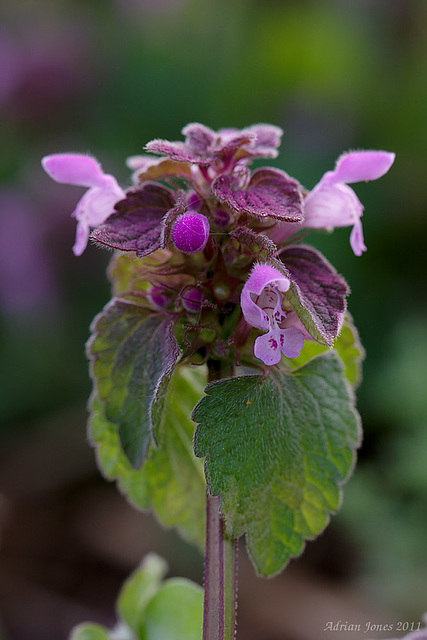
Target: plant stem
<point>230,586</point>
<point>219,621</point>
<point>213,620</point>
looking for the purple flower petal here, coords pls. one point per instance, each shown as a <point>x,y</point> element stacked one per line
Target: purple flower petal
<point>333,204</point>
<point>357,166</point>
<point>270,192</point>
<point>261,276</point>
<point>356,239</point>
<point>82,237</point>
<point>137,223</point>
<point>291,342</point>
<point>74,168</point>
<point>267,347</point>
<point>97,203</point>
<point>261,302</point>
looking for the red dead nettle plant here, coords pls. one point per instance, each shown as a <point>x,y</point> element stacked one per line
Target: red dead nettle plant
<point>226,339</point>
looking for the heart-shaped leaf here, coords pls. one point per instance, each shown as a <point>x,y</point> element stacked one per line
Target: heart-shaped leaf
<point>278,447</point>
<point>137,223</point>
<point>171,480</point>
<point>133,353</point>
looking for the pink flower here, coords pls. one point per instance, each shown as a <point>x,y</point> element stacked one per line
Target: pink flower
<point>261,302</point>
<point>332,203</point>
<point>98,202</point>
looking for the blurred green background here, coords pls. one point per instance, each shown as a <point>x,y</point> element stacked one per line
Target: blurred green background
<point>106,77</point>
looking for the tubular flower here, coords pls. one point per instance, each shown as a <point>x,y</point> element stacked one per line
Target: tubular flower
<point>98,202</point>
<point>332,203</point>
<point>261,302</point>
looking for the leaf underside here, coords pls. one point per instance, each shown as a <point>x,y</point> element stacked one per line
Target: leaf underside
<point>133,354</point>
<point>317,292</point>
<point>171,481</point>
<point>277,450</point>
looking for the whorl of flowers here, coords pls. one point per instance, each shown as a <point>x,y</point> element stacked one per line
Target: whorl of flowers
<point>219,237</point>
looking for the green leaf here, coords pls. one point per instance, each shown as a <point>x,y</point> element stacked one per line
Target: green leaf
<point>133,353</point>
<point>152,609</point>
<point>175,612</point>
<point>347,346</point>
<point>89,631</point>
<point>171,481</point>
<point>138,590</point>
<point>277,449</point>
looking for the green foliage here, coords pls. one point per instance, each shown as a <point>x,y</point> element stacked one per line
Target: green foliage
<point>347,346</point>
<point>152,609</point>
<point>139,589</point>
<point>277,449</point>
<point>171,481</point>
<point>89,631</point>
<point>175,612</point>
<point>133,354</point>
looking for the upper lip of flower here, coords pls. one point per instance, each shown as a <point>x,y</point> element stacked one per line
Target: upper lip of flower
<point>97,203</point>
<point>332,203</point>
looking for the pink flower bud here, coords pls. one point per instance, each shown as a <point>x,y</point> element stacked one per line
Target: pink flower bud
<point>192,298</point>
<point>157,297</point>
<point>190,232</point>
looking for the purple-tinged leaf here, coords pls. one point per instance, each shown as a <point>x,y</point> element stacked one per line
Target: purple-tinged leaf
<point>137,225</point>
<point>177,151</point>
<point>270,192</point>
<point>317,292</point>
<point>202,145</point>
<point>149,168</point>
<point>133,354</point>
<point>198,137</point>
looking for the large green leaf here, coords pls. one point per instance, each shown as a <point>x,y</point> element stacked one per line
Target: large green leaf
<point>171,480</point>
<point>277,449</point>
<point>133,354</point>
<point>347,346</point>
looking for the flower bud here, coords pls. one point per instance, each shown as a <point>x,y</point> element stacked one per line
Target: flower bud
<point>190,232</point>
<point>191,298</point>
<point>221,218</point>
<point>157,297</point>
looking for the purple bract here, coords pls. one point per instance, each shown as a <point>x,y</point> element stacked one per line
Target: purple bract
<point>202,145</point>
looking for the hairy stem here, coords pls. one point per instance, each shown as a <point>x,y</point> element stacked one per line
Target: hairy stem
<point>213,620</point>
<point>230,586</point>
<point>219,621</point>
